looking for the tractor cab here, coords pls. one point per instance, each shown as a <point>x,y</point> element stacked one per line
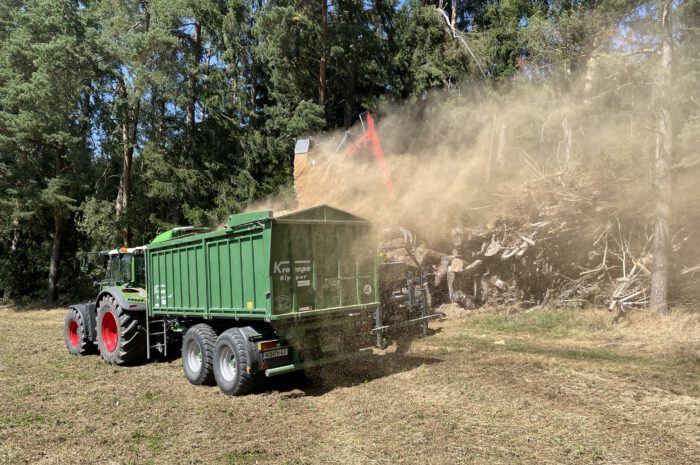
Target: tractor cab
<point>122,267</point>
<point>126,267</point>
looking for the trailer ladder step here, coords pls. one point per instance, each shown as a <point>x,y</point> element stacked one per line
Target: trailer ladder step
<point>156,336</point>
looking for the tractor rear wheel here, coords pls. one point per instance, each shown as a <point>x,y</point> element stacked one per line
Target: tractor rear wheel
<point>197,354</point>
<point>232,363</point>
<point>121,336</point>
<point>75,334</point>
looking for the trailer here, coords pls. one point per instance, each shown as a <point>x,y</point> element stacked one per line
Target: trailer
<point>261,297</point>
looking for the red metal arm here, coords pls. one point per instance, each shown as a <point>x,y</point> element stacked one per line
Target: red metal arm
<point>370,141</point>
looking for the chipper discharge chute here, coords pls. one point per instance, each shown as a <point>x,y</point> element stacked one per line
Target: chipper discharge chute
<point>315,175</point>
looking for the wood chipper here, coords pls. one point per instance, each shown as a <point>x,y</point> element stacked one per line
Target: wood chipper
<point>316,175</point>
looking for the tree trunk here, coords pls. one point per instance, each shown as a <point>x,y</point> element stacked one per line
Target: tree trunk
<point>322,66</point>
<point>192,81</point>
<point>453,14</point>
<point>57,242</point>
<point>202,108</point>
<point>590,78</point>
<point>568,142</point>
<point>55,263</point>
<point>129,129</point>
<point>128,126</point>
<point>127,149</point>
<point>254,88</point>
<point>15,234</point>
<point>350,95</point>
<point>497,146</point>
<point>664,147</point>
<point>15,226</point>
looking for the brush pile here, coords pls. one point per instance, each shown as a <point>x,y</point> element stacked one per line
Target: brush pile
<point>562,239</point>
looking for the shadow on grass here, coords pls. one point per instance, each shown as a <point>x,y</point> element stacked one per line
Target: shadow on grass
<point>348,373</point>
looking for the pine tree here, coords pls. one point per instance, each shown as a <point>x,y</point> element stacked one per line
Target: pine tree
<point>45,75</point>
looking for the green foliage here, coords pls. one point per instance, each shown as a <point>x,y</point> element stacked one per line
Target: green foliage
<point>98,222</point>
<point>46,71</point>
<point>287,45</point>
<point>501,22</point>
<point>428,57</point>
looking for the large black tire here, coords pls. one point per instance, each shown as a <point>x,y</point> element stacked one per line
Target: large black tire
<point>232,363</point>
<point>198,353</point>
<point>121,336</point>
<point>75,334</point>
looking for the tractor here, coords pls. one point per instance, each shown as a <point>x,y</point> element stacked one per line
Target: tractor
<point>121,301</point>
<point>114,323</point>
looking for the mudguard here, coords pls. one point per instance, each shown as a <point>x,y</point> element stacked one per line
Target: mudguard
<point>87,312</point>
<point>121,300</point>
<point>251,334</point>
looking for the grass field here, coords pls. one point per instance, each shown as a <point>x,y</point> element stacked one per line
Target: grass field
<point>534,388</point>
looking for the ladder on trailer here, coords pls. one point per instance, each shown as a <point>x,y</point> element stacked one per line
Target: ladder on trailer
<point>156,336</point>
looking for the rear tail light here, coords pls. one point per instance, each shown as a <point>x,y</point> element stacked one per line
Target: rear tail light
<point>267,345</point>
<point>364,327</point>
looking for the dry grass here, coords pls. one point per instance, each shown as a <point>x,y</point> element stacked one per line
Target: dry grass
<point>540,387</point>
<point>676,336</point>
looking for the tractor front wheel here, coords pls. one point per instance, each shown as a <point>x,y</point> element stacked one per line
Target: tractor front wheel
<point>75,334</point>
<point>121,336</point>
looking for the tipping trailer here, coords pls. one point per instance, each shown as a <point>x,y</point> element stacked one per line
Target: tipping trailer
<point>264,296</point>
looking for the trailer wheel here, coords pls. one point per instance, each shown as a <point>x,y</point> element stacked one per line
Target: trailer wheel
<point>121,336</point>
<point>232,364</point>
<point>75,334</point>
<point>197,354</point>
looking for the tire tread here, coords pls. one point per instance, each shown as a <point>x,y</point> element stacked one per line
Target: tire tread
<point>131,345</point>
<point>85,346</point>
<point>245,382</point>
<point>207,336</point>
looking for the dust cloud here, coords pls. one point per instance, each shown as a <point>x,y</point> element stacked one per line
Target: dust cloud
<point>458,160</point>
<point>569,158</point>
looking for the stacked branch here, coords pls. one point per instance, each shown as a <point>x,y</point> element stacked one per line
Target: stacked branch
<point>563,239</point>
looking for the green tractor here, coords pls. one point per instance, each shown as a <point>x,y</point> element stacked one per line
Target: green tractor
<point>114,322</point>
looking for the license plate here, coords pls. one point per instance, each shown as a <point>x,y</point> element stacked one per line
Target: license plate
<point>276,353</point>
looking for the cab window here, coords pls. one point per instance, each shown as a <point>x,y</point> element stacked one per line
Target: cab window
<point>119,269</point>
<point>140,270</point>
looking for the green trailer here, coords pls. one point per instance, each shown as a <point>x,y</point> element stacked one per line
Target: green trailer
<point>269,295</point>
<point>297,266</point>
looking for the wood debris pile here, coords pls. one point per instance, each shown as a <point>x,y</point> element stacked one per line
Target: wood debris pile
<point>563,239</point>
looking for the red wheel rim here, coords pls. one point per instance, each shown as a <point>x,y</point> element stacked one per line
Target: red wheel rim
<point>110,334</point>
<point>73,333</point>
